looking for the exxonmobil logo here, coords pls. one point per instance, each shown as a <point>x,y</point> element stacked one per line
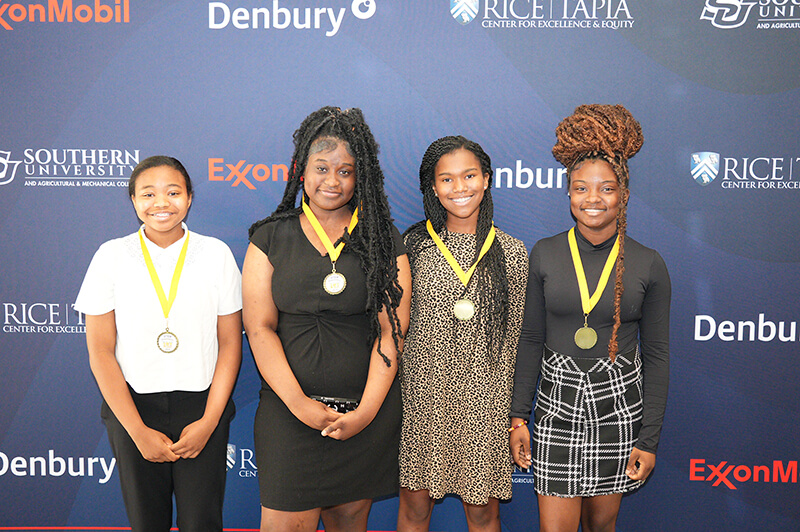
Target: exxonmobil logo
<point>245,173</point>
<point>65,11</point>
<point>725,474</point>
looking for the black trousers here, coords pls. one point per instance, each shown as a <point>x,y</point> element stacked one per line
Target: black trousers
<point>147,487</point>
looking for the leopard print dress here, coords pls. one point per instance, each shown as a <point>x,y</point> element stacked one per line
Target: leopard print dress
<point>456,397</point>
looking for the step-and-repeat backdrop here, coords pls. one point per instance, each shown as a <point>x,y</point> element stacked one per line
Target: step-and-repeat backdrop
<point>91,87</point>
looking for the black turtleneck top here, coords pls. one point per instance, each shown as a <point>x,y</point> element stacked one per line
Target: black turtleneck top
<point>553,313</point>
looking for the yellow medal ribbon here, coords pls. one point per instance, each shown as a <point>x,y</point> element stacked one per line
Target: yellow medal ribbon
<point>588,303</point>
<point>465,277</point>
<point>166,304</point>
<point>333,252</point>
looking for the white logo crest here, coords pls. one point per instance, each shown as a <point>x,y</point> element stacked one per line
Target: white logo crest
<point>727,14</point>
<point>704,166</point>
<point>230,457</point>
<point>8,168</point>
<point>363,9</point>
<point>464,11</point>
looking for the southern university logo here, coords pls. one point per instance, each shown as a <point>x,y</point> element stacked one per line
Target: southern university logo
<point>464,11</point>
<point>705,166</point>
<point>727,14</point>
<point>8,168</point>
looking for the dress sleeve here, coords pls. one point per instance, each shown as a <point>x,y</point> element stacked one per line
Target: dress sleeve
<point>399,244</point>
<point>531,342</point>
<point>262,238</point>
<point>654,338</point>
<point>96,296</point>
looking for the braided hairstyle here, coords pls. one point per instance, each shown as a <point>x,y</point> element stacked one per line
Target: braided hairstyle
<point>490,274</point>
<point>607,133</point>
<point>372,238</point>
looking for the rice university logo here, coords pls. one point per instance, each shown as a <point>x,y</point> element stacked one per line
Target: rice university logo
<point>230,457</point>
<point>727,14</point>
<point>464,11</point>
<point>705,166</point>
<point>8,168</point>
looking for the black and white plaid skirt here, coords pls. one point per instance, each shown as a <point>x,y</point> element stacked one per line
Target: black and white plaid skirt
<point>587,419</point>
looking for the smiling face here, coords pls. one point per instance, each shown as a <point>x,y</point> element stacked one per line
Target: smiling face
<point>329,180</point>
<point>161,202</point>
<point>459,183</point>
<point>595,200</point>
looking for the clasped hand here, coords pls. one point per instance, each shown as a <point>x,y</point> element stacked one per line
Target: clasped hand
<point>329,422</point>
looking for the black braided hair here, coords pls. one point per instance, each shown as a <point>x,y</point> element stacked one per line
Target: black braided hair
<point>490,274</point>
<point>372,238</point>
<point>606,133</point>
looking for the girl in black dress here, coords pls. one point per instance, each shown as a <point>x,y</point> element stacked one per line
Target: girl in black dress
<point>326,288</point>
<point>602,348</point>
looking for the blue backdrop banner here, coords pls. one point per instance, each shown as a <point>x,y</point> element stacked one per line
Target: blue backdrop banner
<point>91,87</point>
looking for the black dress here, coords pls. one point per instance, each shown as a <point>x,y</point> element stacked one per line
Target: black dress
<point>326,341</point>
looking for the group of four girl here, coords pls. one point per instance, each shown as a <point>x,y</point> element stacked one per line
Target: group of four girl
<point>327,302</point>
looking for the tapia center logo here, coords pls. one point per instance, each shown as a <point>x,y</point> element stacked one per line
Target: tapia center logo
<point>759,172</point>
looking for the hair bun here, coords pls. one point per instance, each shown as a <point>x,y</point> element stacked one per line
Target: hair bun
<point>604,129</point>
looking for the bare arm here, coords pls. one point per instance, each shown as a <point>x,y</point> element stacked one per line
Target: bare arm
<point>195,435</point>
<point>101,338</point>
<point>380,377</point>
<point>260,316</point>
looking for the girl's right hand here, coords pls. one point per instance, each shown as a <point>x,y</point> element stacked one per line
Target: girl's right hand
<point>520,441</point>
<point>154,445</point>
<point>315,414</point>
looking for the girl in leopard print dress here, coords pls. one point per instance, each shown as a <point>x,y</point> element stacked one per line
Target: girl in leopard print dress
<point>456,371</point>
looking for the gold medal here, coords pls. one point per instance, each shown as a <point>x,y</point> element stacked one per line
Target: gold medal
<point>585,337</point>
<point>167,342</point>
<point>334,283</point>
<point>464,309</point>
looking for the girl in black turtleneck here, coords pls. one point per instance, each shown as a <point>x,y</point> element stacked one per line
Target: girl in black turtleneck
<point>603,360</point>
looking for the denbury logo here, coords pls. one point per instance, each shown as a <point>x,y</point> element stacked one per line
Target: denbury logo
<point>56,11</point>
<point>705,166</point>
<point>523,177</point>
<point>8,168</point>
<point>56,466</point>
<point>727,474</point>
<point>706,328</point>
<point>245,173</point>
<point>727,14</point>
<point>221,15</point>
<point>464,11</point>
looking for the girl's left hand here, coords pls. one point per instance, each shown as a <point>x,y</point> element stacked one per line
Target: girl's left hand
<point>194,437</point>
<point>347,426</point>
<point>646,462</point>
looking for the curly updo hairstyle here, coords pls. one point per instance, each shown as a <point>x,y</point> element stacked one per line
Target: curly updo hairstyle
<point>372,238</point>
<point>490,274</point>
<point>607,133</point>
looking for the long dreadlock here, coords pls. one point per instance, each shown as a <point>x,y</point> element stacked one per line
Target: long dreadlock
<point>372,238</point>
<point>608,133</point>
<point>490,274</point>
